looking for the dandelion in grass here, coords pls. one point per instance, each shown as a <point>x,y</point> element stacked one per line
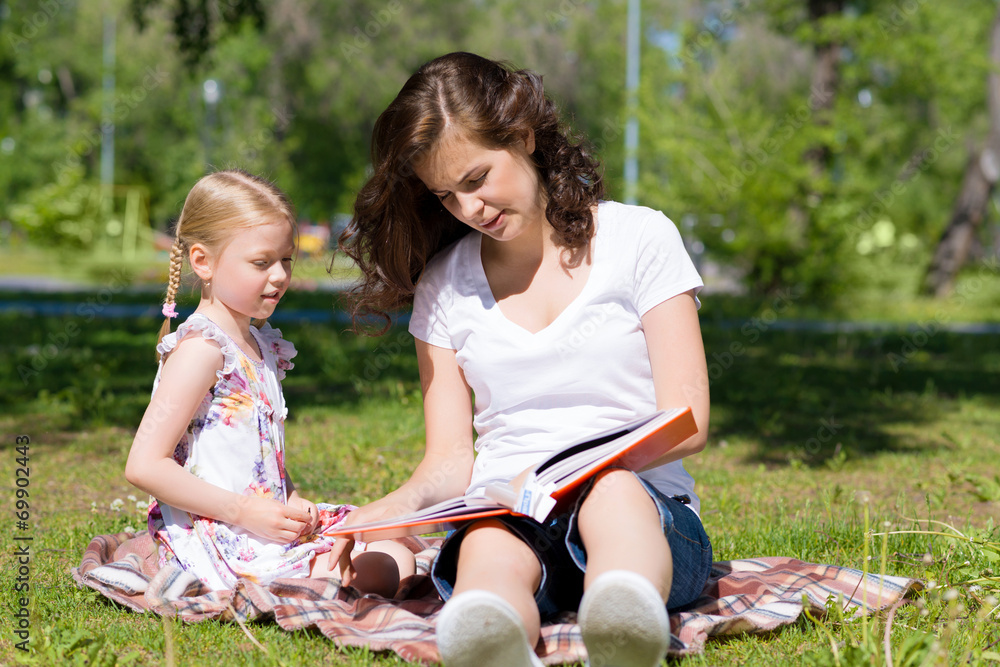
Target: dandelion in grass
<point>117,504</point>
<point>93,507</point>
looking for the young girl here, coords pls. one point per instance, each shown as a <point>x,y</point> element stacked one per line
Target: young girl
<point>541,314</point>
<point>210,447</point>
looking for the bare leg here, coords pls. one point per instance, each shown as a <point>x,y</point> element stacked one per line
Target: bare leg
<point>492,619</point>
<point>376,570</point>
<point>622,616</point>
<point>406,564</point>
<point>493,559</point>
<point>620,529</point>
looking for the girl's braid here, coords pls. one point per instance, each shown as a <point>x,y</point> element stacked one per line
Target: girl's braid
<point>176,265</point>
<point>173,284</point>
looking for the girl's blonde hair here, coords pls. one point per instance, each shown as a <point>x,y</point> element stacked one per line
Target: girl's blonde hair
<point>218,205</point>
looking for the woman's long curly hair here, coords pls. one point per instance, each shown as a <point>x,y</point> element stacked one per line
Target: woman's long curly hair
<point>399,224</point>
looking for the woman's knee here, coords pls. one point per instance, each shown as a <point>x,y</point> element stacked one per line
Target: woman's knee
<point>615,493</point>
<point>490,545</point>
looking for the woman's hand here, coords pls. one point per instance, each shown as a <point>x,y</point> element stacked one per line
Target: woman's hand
<point>268,518</point>
<point>384,508</point>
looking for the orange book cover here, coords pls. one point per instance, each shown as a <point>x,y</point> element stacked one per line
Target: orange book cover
<point>554,481</point>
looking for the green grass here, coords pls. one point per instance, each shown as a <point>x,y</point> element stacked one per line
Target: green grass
<point>809,431</point>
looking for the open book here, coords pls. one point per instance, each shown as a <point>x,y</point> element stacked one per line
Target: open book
<point>553,482</point>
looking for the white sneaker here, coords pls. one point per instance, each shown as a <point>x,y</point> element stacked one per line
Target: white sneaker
<point>624,621</point>
<point>481,629</point>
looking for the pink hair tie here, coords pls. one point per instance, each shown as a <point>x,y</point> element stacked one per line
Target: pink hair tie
<point>168,310</point>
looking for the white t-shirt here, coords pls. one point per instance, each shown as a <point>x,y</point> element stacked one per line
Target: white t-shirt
<point>586,372</point>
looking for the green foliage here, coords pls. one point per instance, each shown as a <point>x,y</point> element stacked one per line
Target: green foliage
<point>730,122</point>
<point>61,214</point>
<point>195,24</point>
<point>298,90</point>
<point>733,117</point>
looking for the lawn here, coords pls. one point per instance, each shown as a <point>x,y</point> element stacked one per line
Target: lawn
<point>820,444</point>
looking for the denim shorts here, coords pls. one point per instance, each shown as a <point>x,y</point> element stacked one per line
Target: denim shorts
<point>559,549</point>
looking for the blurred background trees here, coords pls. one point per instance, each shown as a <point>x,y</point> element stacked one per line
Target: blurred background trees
<point>814,145</point>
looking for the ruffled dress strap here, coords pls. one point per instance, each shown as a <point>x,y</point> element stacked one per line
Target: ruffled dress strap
<point>283,350</point>
<point>209,330</point>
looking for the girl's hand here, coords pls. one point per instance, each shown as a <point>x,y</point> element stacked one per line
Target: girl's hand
<point>270,519</point>
<point>295,500</point>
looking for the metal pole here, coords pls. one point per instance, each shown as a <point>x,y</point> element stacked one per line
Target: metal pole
<point>632,104</point>
<point>108,108</point>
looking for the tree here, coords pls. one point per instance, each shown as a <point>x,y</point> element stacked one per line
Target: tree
<point>796,187</point>
<point>981,174</point>
<point>197,25</point>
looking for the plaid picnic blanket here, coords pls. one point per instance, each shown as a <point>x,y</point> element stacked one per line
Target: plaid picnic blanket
<point>741,596</point>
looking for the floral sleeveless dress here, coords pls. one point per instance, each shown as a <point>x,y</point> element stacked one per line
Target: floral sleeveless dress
<point>236,441</point>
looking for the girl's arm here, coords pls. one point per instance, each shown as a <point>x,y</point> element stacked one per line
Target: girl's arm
<point>188,373</point>
<point>680,372</point>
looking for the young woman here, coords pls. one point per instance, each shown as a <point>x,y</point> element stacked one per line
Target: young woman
<point>542,314</point>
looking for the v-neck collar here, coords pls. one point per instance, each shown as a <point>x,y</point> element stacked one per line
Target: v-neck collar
<point>553,328</point>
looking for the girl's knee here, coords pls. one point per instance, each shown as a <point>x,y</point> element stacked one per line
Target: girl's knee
<point>406,562</point>
<point>377,572</point>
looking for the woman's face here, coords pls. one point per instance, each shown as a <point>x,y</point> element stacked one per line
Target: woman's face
<point>495,191</point>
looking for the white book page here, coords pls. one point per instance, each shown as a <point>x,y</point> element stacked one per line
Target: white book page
<point>443,510</point>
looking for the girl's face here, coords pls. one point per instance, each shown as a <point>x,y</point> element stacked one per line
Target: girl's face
<point>495,191</point>
<point>252,271</point>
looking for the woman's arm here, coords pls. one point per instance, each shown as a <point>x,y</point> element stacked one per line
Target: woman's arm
<point>446,467</point>
<point>680,372</point>
<point>188,373</point>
